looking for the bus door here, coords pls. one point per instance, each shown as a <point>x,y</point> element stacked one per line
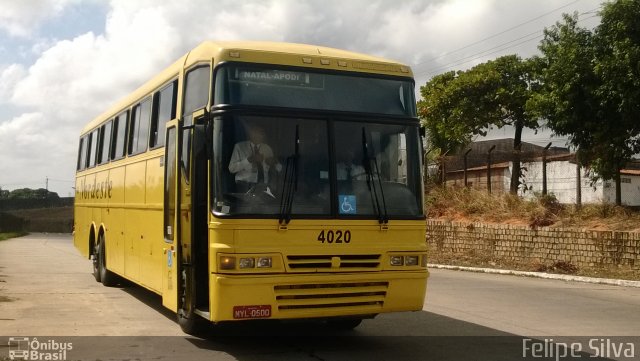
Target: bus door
<point>193,195</point>
<point>169,264</point>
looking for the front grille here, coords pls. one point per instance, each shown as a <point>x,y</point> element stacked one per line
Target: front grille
<point>315,263</point>
<point>369,295</point>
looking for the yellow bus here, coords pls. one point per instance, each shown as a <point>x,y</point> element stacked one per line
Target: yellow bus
<point>254,180</point>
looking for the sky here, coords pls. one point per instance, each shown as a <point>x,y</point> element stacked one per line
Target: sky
<point>63,62</point>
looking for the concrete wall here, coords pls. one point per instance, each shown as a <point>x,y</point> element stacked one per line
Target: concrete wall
<point>630,190</point>
<point>583,248</point>
<point>561,181</point>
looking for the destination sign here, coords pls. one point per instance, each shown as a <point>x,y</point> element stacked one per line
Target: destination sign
<point>279,78</point>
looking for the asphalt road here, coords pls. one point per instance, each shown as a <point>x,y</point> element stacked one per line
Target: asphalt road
<point>47,292</point>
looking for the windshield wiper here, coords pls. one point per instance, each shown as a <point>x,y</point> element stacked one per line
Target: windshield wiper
<point>373,172</point>
<point>290,182</point>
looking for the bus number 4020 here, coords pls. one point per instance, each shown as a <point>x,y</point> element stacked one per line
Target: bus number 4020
<point>331,236</point>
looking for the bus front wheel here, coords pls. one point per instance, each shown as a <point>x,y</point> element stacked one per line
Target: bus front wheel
<point>189,322</point>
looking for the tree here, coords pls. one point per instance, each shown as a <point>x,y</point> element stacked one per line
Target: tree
<point>591,89</point>
<point>28,193</point>
<point>456,106</point>
<point>447,130</point>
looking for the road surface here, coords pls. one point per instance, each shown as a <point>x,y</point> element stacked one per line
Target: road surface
<point>47,292</point>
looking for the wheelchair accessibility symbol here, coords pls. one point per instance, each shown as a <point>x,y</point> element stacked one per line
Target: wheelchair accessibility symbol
<point>347,204</point>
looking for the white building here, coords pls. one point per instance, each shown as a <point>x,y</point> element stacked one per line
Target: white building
<point>562,177</point>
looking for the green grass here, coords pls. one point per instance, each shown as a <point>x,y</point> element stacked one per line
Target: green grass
<point>8,235</point>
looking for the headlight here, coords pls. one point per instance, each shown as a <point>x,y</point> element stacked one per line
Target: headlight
<point>411,260</point>
<point>407,261</point>
<point>247,263</point>
<point>265,262</point>
<point>396,260</point>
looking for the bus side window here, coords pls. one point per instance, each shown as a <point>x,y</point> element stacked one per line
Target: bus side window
<point>139,128</point>
<point>119,135</point>
<point>164,110</point>
<point>82,153</point>
<point>93,146</point>
<point>196,95</point>
<point>105,142</point>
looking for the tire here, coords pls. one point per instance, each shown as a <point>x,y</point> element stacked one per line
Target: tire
<point>189,322</point>
<point>96,262</point>
<point>107,277</point>
<point>344,323</point>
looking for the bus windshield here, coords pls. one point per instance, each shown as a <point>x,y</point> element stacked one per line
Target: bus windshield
<point>250,84</point>
<point>258,160</point>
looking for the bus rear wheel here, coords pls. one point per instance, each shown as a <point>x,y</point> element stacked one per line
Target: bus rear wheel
<point>95,261</point>
<point>107,277</point>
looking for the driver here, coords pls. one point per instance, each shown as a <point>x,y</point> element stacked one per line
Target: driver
<point>252,160</point>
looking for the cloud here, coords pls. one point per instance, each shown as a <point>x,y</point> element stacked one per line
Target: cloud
<point>31,148</point>
<point>20,18</point>
<point>9,77</point>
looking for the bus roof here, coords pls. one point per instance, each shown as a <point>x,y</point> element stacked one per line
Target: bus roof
<point>292,54</point>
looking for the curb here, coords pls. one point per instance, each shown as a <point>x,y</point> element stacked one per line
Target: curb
<point>549,276</point>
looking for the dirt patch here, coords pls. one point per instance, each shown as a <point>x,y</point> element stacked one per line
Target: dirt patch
<point>5,299</point>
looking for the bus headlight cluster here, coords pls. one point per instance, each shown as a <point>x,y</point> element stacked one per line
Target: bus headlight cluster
<point>230,263</point>
<point>258,262</point>
<point>408,260</point>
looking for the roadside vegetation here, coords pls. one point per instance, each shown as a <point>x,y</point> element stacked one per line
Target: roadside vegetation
<point>470,205</point>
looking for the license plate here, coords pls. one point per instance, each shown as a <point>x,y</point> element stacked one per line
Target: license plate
<point>257,311</point>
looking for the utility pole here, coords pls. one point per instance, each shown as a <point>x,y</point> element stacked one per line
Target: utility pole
<point>47,184</point>
<point>466,184</point>
<point>489,168</point>
<point>544,169</point>
<point>578,185</point>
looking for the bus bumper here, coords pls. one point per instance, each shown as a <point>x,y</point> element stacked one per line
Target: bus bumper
<point>240,297</point>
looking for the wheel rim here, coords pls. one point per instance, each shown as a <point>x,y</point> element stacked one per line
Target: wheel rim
<point>96,258</point>
<point>184,310</point>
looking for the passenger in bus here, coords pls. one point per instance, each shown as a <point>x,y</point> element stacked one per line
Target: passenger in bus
<point>253,163</point>
<point>347,169</point>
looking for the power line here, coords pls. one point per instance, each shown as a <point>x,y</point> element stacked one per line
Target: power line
<point>496,34</point>
<point>484,53</point>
